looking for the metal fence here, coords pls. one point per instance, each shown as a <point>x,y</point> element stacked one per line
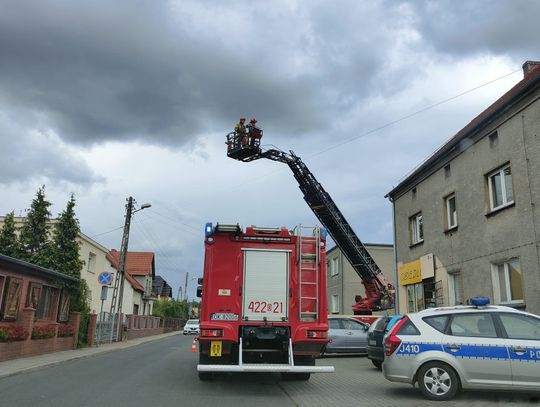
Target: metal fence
<point>104,327</point>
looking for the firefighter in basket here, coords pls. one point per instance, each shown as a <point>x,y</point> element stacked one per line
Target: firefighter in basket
<point>254,133</point>
<point>240,133</point>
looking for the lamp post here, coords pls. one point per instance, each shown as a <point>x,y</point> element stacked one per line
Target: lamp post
<point>118,291</point>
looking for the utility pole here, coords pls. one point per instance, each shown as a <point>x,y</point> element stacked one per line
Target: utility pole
<point>185,286</point>
<point>179,294</point>
<point>119,280</point>
<point>118,290</point>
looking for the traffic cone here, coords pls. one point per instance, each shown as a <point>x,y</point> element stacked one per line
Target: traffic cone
<point>194,345</point>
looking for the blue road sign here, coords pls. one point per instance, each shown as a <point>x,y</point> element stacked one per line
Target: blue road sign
<point>105,278</point>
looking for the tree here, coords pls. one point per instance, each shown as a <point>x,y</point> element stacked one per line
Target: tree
<point>64,255</point>
<point>65,246</point>
<point>171,308</point>
<point>35,231</point>
<point>9,244</point>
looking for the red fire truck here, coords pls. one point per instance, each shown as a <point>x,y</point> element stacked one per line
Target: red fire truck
<point>263,306</point>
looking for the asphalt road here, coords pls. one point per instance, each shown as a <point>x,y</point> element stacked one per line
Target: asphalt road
<point>163,373</point>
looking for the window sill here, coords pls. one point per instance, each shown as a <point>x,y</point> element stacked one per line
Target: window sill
<point>451,230</point>
<point>500,208</point>
<point>412,245</point>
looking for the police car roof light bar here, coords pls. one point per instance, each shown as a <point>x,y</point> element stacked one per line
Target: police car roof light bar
<point>479,301</point>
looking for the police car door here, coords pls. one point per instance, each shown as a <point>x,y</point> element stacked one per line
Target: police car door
<point>523,340</point>
<point>482,355</point>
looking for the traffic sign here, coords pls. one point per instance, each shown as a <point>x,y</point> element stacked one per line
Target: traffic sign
<point>105,278</point>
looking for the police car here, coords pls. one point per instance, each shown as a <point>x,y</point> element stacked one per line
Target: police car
<point>470,347</point>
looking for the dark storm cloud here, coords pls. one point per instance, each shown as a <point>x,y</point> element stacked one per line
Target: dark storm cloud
<point>102,72</point>
<point>464,27</point>
<point>99,71</point>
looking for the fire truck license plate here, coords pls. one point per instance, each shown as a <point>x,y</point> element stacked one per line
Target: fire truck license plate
<point>215,348</point>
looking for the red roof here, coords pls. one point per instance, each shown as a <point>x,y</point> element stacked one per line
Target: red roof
<point>529,81</point>
<point>137,264</point>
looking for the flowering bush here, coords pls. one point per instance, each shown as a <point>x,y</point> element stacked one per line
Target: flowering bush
<point>43,331</point>
<point>10,333</point>
<point>66,330</point>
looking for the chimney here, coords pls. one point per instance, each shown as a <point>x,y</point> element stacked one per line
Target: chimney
<point>529,66</point>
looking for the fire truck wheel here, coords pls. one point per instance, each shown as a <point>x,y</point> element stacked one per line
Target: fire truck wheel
<point>300,361</point>
<point>205,376</point>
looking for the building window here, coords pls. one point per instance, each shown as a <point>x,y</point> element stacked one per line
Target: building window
<point>63,309</point>
<point>2,279</point>
<point>451,212</point>
<point>335,304</point>
<point>417,228</point>
<point>500,188</point>
<point>447,171</point>
<point>334,266</point>
<point>507,282</point>
<point>455,296</point>
<point>12,298</point>
<point>46,300</point>
<point>415,297</point>
<point>33,296</point>
<point>91,262</point>
<point>493,140</point>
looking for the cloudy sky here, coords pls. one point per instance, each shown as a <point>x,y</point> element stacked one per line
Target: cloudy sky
<point>115,99</point>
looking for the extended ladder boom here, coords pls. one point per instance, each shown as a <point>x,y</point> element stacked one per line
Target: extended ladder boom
<point>379,293</point>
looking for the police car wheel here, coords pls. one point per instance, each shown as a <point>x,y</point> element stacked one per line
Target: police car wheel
<point>438,381</point>
<point>377,363</point>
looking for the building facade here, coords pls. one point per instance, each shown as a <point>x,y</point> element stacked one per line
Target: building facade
<point>343,284</point>
<point>96,260</point>
<point>140,273</point>
<point>467,221</point>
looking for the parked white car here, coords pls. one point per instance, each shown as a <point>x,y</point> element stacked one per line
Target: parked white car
<point>192,327</point>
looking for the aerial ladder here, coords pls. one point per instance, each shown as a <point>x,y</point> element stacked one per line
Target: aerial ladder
<point>379,292</point>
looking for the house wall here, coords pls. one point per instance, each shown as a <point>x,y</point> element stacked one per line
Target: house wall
<point>91,270</point>
<point>481,238</point>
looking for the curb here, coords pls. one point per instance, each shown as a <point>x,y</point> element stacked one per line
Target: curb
<point>24,365</point>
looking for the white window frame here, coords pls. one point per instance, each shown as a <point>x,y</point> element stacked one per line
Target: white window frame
<point>451,218</point>
<point>505,200</point>
<point>497,286</point>
<point>91,266</point>
<point>417,228</point>
<point>452,292</point>
<point>334,266</point>
<point>335,304</point>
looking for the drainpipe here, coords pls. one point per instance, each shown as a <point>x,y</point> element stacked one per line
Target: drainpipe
<point>396,288</point>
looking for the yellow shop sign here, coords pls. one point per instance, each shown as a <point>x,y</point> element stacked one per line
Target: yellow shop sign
<point>410,273</point>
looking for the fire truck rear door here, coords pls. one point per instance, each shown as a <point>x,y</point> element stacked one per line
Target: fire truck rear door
<point>266,284</point>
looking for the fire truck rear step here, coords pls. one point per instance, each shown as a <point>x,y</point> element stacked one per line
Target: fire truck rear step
<point>265,367</point>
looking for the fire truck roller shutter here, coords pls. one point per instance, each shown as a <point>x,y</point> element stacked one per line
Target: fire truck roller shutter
<point>266,285</point>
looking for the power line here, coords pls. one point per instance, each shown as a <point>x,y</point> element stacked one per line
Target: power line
<point>193,229</point>
<point>424,109</point>
<point>109,231</point>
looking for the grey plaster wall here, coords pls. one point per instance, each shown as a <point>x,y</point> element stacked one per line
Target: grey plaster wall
<point>347,284</point>
<point>482,238</point>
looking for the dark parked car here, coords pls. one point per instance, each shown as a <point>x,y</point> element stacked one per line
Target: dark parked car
<point>347,335</point>
<point>375,348</point>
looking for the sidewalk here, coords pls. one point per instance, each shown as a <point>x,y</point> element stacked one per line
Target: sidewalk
<point>16,366</point>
